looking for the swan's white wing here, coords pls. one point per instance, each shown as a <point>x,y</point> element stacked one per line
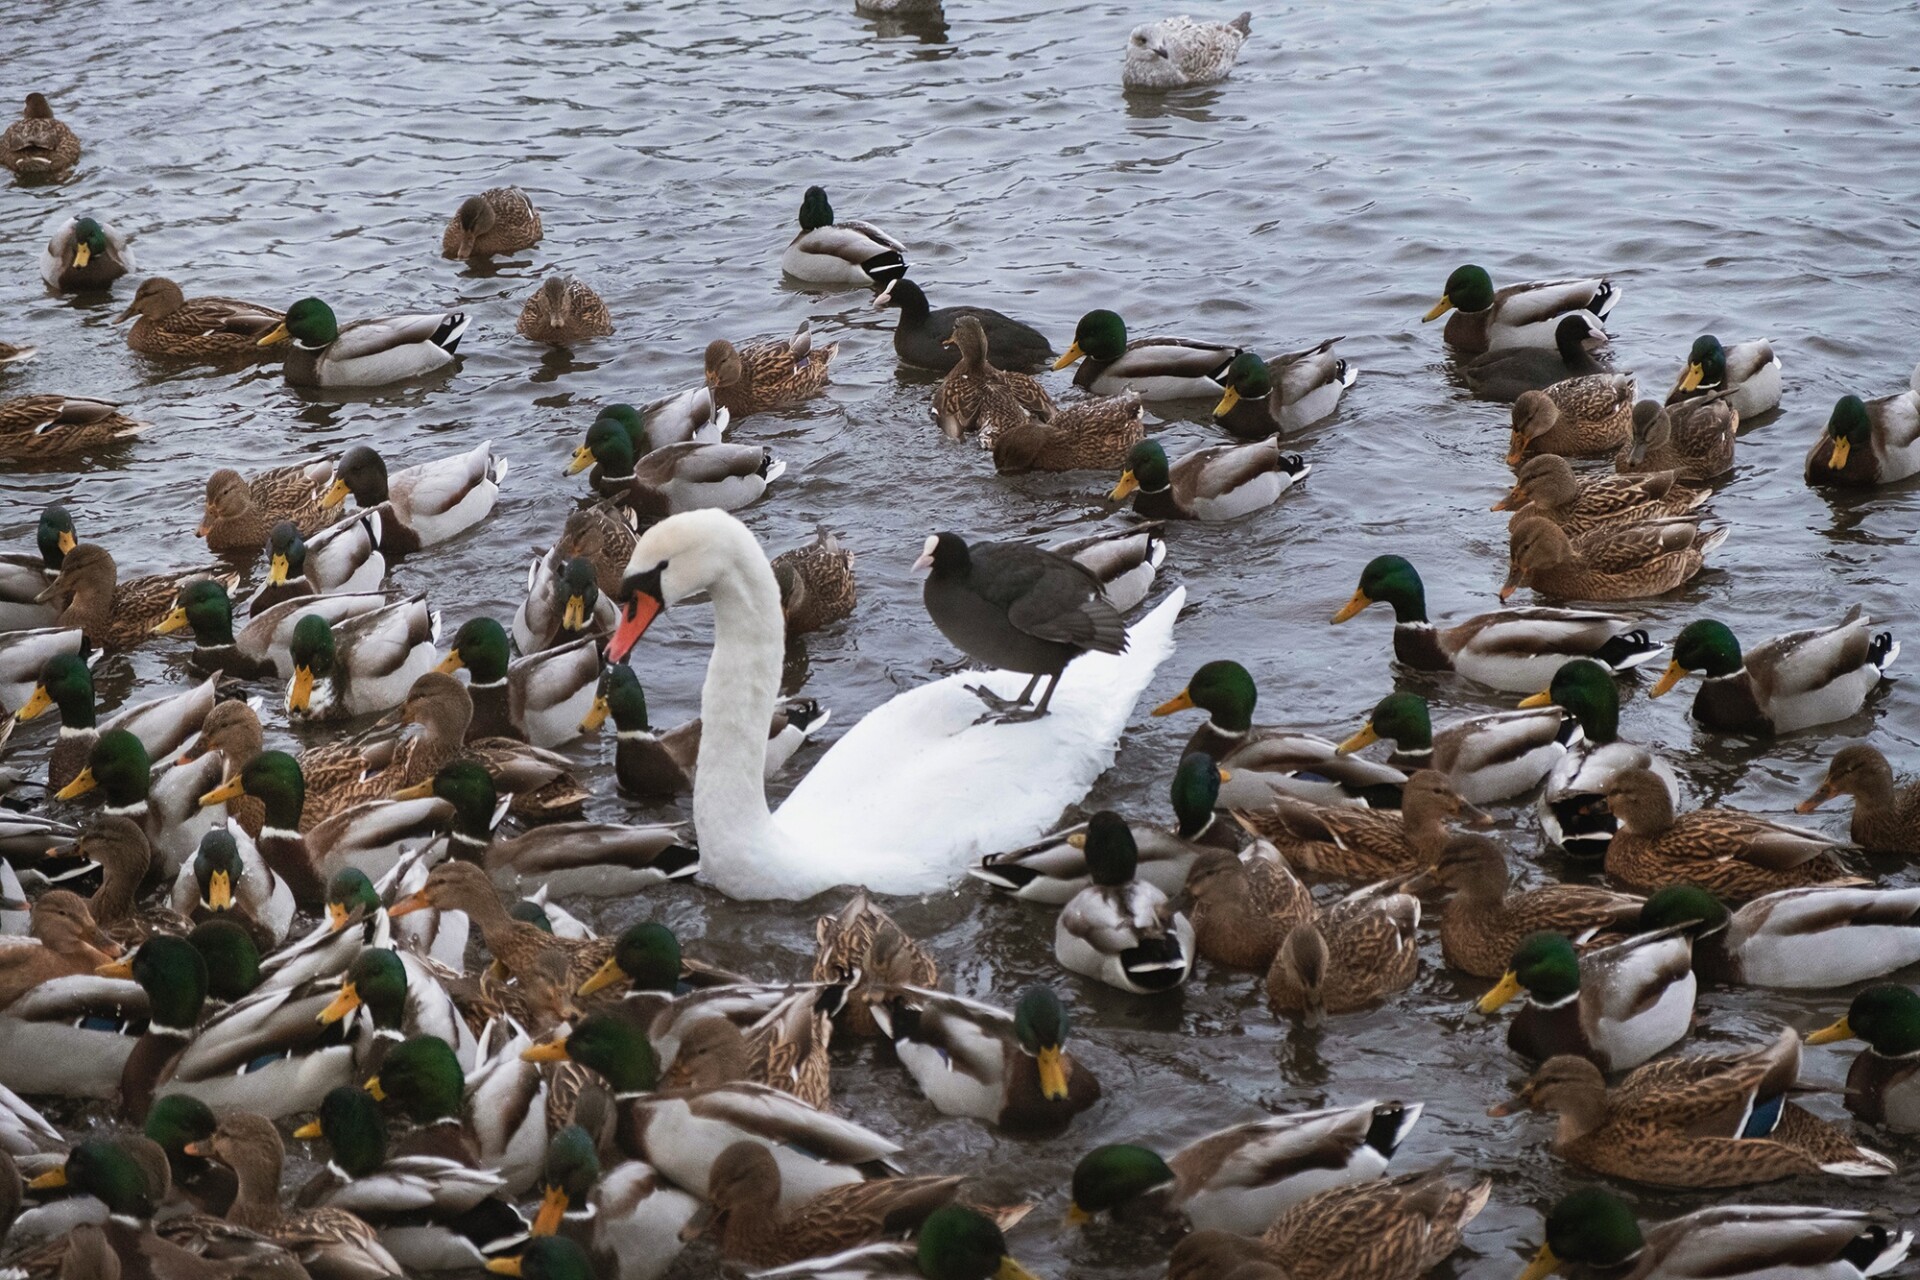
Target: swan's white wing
<point>916,792</point>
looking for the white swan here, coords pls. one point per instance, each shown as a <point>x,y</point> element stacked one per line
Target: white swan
<point>915,792</point>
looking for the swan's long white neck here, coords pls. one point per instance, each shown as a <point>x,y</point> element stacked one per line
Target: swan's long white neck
<point>736,832</point>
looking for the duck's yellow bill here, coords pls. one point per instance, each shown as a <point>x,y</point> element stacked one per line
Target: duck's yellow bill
<point>308,1132</point>
<point>581,460</point>
<point>335,495</point>
<point>451,663</point>
<point>300,689</point>
<point>372,1086</point>
<point>418,791</point>
<point>1544,698</point>
<point>545,1051</point>
<point>603,977</point>
<point>1506,989</point>
<point>336,917</point>
<point>78,787</point>
<point>1841,1030</point>
<point>1842,450</point>
<point>1053,1073</point>
<point>49,1180</point>
<point>1073,353</point>
<point>1824,793</point>
<point>279,571</point>
<point>1227,401</point>
<point>1438,309</point>
<point>1365,738</point>
<point>176,618</point>
<point>1181,701</point>
<point>408,905</point>
<point>220,892</point>
<point>1691,378</point>
<point>595,717</point>
<point>1352,607</point>
<point>504,1266</point>
<point>1668,678</point>
<point>275,338</point>
<point>343,1004</point>
<point>1543,1265</point>
<point>37,701</point>
<point>1077,1217</point>
<point>82,255</point>
<point>232,789</point>
<point>1126,486</point>
<point>553,1210</point>
<point>121,968</point>
<point>1011,1270</point>
<point>574,617</point>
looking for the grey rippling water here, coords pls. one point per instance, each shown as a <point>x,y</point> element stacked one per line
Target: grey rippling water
<point>1742,170</point>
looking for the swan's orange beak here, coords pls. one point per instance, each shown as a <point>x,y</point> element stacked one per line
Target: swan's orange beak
<point>637,615</point>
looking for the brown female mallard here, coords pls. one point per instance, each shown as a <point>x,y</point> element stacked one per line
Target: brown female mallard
<point>1244,905</point>
<point>816,584</point>
<point>1630,562</point>
<point>1709,1120</point>
<point>63,941</point>
<point>1391,1229</point>
<point>335,774</point>
<point>604,535</point>
<point>766,375</point>
<point>1580,417</point>
<point>1088,435</point>
<point>172,324</point>
<point>1886,815</point>
<point>54,426</point>
<point>38,144</point>
<point>541,782</point>
<point>240,513</point>
<point>977,396</point>
<point>1694,439</point>
<point>786,1049</point>
<point>1363,949</point>
<point>1364,844</point>
<point>862,944</point>
<point>1545,486</point>
<point>523,950</point>
<point>498,220</point>
<point>562,311</point>
<point>115,614</point>
<point>1486,919</point>
<point>1728,853</point>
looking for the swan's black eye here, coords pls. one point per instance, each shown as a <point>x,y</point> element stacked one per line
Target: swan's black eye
<point>644,584</point>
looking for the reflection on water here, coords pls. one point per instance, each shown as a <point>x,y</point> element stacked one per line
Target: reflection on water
<point>1742,171</point>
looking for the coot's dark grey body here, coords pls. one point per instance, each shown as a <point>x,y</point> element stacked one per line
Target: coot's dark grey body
<point>1018,608</point>
<point>921,336</point>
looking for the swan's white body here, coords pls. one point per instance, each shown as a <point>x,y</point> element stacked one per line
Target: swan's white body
<point>914,793</point>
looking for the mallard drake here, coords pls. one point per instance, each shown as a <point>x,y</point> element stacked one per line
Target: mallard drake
<point>1387,1229</point>
<point>343,559</point>
<point>1726,851</point>
<point>1151,368</point>
<point>977,396</point>
<point>1573,809</point>
<point>682,1132</point>
<point>366,353</point>
<point>1364,844</point>
<point>563,311</point>
<point>1262,760</point>
<point>1630,562</point>
<point>1709,1120</point>
<point>563,605</point>
<point>816,584</point>
<point>38,143</point>
<point>1593,1230</point>
<point>366,837</point>
<point>498,220</point>
<point>25,574</point>
<point>1286,394</point>
<point>1362,949</point>
<point>1181,52</point>
<point>661,765</point>
<point>975,1059</point>
<point>240,514</point>
<point>1053,869</point>
<point>330,1242</point>
<point>862,944</point>
<point>1748,373</point>
<point>773,374</point>
<point>164,805</point>
<point>1505,375</point>
<point>1581,417</point>
<point>540,782</point>
<point>1223,482</point>
<point>362,665</point>
<point>1483,758</point>
<point>226,879</point>
<point>174,1122</point>
<point>1513,649</point>
<point>171,324</point>
<point>1883,1085</point>
<point>431,1212</point>
<point>853,254</point>
<point>164,724</point>
<point>14,353</point>
<point>1126,560</point>
<point>1520,315</point>
<point>1241,1178</point>
<point>678,477</point>
<point>333,774</point>
<point>25,654</point>
<point>1869,442</point>
<point>672,419</point>
<point>542,698</point>
<point>955,1243</point>
<point>1792,681</point>
<point>115,614</point>
<point>1088,435</point>
<point>1545,486</point>
<point>753,1227</point>
<point>465,1122</point>
<point>84,256</point>
<point>1487,919</point>
<point>262,649</point>
<point>1616,1006</point>
<point>429,502</point>
<point>1245,904</point>
<point>920,339</point>
<point>1120,929</point>
<point>603,534</point>
<point>1814,938</point>
<point>628,1219</point>
<point>1694,438</point>
<point>1886,819</point>
<point>52,426</point>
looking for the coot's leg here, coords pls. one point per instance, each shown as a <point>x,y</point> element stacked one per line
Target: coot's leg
<point>1000,704</point>
<point>1018,714</point>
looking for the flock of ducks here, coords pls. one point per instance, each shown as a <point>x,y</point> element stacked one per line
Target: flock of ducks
<point>235,937</point>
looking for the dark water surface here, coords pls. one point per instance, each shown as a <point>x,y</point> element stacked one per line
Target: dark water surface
<point>1745,170</point>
